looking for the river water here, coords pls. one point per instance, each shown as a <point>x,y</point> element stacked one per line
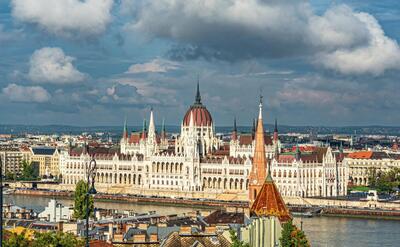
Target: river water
<point>321,231</point>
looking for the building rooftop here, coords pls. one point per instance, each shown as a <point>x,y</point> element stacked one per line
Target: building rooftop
<point>269,202</point>
<point>43,150</point>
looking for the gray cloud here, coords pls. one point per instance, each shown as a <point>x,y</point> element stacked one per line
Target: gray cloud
<point>235,29</point>
<point>65,17</point>
<point>17,93</point>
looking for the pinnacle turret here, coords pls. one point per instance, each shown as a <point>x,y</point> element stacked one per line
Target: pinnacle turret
<point>198,97</point>
<point>144,130</point>
<point>234,131</point>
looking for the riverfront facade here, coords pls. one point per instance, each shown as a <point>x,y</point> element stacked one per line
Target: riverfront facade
<point>198,161</point>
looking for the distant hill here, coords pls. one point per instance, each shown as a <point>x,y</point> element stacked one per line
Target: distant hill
<point>117,130</point>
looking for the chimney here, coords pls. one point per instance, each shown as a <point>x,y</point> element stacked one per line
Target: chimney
<point>185,230</point>
<point>60,226</point>
<point>139,238</point>
<point>210,229</point>
<point>153,237</point>
<point>110,232</point>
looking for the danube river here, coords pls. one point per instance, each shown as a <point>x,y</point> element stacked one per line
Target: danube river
<point>322,231</point>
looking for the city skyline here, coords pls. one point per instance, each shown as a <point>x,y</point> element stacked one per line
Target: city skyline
<point>95,62</point>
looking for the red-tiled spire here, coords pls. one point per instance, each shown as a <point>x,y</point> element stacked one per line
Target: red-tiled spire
<point>258,170</point>
<point>269,202</point>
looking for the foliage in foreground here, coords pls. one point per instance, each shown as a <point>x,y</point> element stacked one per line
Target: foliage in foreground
<point>293,237</point>
<point>236,241</point>
<point>51,239</point>
<point>81,190</point>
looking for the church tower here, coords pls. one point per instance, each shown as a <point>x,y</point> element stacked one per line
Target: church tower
<point>258,170</point>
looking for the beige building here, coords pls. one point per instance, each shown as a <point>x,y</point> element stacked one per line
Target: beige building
<point>361,163</point>
<point>47,159</point>
<point>12,159</point>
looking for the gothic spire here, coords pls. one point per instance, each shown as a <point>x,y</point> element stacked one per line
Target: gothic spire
<point>152,128</point>
<point>125,133</point>
<point>276,126</point>
<point>258,170</point>
<point>198,97</point>
<point>144,130</point>
<point>234,131</point>
<point>260,106</point>
<point>163,132</point>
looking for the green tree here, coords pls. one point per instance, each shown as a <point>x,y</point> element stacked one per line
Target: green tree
<point>80,194</point>
<point>384,181</point>
<point>28,171</point>
<point>10,175</point>
<point>51,239</point>
<point>236,241</point>
<point>56,239</point>
<point>15,240</point>
<point>292,237</point>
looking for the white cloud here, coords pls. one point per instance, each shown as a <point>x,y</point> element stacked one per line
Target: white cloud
<point>19,93</point>
<point>237,30</point>
<point>65,17</point>
<point>155,66</point>
<point>51,65</point>
<point>380,54</point>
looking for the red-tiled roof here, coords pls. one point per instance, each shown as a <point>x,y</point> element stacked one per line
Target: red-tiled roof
<point>201,116</point>
<point>245,139</point>
<point>100,243</point>
<point>269,202</point>
<point>361,155</point>
<point>305,148</point>
<point>221,217</point>
<point>285,158</point>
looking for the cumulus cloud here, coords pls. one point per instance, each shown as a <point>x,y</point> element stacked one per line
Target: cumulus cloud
<point>155,66</point>
<point>51,65</point>
<point>379,54</point>
<point>236,29</point>
<point>17,93</point>
<point>65,17</point>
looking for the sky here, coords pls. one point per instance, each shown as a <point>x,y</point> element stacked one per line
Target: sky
<point>95,62</point>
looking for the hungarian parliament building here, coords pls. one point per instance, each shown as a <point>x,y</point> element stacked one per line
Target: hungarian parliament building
<point>197,163</point>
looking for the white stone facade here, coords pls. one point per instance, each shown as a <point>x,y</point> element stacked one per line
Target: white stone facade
<point>149,162</point>
<point>311,178</point>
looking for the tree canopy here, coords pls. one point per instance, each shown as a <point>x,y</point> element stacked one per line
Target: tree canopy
<point>293,237</point>
<point>236,241</point>
<point>384,181</point>
<point>52,239</point>
<point>80,194</point>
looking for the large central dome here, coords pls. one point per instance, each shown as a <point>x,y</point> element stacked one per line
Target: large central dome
<point>201,116</point>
